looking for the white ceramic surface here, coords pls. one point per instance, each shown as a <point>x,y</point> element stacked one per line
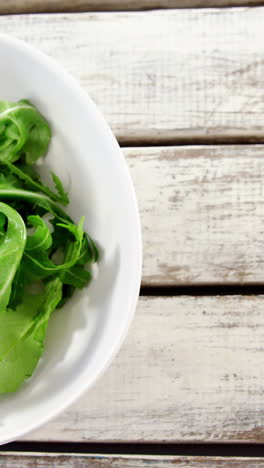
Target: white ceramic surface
<point>83,336</point>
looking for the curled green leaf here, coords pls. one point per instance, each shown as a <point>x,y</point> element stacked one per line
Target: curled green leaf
<point>11,251</point>
<point>23,131</point>
<point>37,259</point>
<point>41,239</point>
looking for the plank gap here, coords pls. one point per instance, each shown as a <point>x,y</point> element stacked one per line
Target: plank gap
<point>203,290</point>
<point>166,141</point>
<point>82,6</point>
<point>182,449</point>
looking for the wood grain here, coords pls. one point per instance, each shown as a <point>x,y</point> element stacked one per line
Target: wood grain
<point>191,369</point>
<point>125,461</point>
<point>202,211</point>
<point>52,6</point>
<point>186,74</point>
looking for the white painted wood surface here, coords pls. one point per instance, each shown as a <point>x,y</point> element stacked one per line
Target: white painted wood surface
<point>191,369</point>
<point>35,6</point>
<point>185,74</point>
<point>10,460</point>
<point>202,211</point>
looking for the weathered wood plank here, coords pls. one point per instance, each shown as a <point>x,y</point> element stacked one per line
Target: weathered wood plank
<point>202,211</point>
<point>185,74</point>
<point>39,460</point>
<point>55,6</point>
<point>191,369</point>
<point>124,461</point>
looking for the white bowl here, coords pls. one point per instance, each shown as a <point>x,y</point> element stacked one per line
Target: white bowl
<point>83,336</point>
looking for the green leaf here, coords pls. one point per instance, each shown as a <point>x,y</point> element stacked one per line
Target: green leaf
<point>11,251</point>
<point>58,184</point>
<point>18,288</point>
<point>43,254</point>
<point>94,252</point>
<point>23,131</point>
<point>9,181</point>
<point>22,335</point>
<point>41,239</point>
<point>77,277</point>
<point>34,183</point>
<point>33,198</point>
<point>37,260</point>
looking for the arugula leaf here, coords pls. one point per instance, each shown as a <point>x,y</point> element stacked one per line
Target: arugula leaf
<point>9,181</point>
<point>49,206</point>
<point>89,251</point>
<point>23,131</point>
<point>77,277</point>
<point>15,324</point>
<point>18,288</point>
<point>11,251</point>
<point>22,336</point>
<point>43,254</point>
<point>34,183</point>
<point>92,248</point>
<point>41,239</point>
<point>64,199</point>
<point>38,262</point>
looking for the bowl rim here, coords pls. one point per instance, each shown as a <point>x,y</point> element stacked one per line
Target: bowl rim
<point>51,63</point>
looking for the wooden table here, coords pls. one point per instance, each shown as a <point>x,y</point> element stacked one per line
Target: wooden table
<point>183,90</point>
